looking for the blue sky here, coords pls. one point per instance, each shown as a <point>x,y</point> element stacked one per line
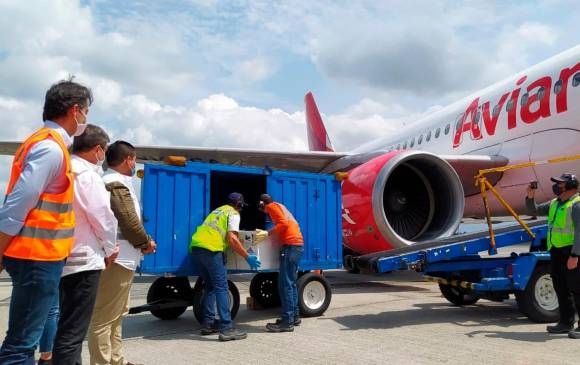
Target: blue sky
<point>234,73</point>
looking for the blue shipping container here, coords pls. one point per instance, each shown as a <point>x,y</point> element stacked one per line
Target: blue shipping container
<point>177,199</point>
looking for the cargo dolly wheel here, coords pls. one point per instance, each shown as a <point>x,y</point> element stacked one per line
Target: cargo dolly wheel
<point>458,296</point>
<point>234,296</point>
<point>264,289</point>
<point>538,301</point>
<point>169,296</point>
<point>314,295</point>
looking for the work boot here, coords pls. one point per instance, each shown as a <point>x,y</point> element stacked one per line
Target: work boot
<point>207,330</point>
<point>297,321</point>
<point>280,327</point>
<point>559,328</point>
<point>575,334</point>
<point>232,334</point>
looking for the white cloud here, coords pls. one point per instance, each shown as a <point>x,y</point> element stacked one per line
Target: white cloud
<point>215,73</point>
<point>254,70</point>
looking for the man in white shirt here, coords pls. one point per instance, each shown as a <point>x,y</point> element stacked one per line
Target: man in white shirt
<point>95,236</point>
<point>105,339</point>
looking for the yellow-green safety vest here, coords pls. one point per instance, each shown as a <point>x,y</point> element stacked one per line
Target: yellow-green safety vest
<point>560,223</point>
<point>211,235</point>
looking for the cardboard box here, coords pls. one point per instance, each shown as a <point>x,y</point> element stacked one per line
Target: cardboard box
<point>266,251</point>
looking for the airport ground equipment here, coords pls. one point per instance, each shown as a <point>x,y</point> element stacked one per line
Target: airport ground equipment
<point>176,198</point>
<point>466,272</point>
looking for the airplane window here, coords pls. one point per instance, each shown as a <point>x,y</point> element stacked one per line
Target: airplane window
<point>496,110</point>
<point>509,105</point>
<point>437,132</point>
<point>420,139</point>
<point>576,80</point>
<point>405,145</point>
<point>447,128</point>
<point>524,100</point>
<point>558,87</point>
<point>412,143</point>
<point>428,138</point>
<point>541,92</point>
<point>477,117</point>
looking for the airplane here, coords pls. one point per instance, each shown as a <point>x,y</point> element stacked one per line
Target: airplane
<point>416,185</point>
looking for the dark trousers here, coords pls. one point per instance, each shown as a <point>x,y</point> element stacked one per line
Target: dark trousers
<point>289,259</point>
<point>78,293</point>
<point>212,270</point>
<point>566,284</point>
<point>34,288</point>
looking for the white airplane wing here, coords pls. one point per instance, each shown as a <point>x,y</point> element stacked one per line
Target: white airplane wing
<point>299,161</point>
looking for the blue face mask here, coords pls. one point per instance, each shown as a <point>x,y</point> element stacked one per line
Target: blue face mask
<point>133,170</point>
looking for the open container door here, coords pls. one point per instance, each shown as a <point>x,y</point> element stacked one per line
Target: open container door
<point>175,202</point>
<point>315,202</point>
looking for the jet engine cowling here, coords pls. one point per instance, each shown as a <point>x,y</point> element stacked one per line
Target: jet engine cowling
<point>415,196</point>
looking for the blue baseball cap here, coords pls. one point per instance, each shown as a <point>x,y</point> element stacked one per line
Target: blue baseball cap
<point>237,199</point>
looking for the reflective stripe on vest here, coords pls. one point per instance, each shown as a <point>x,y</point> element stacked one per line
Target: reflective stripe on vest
<point>77,259</point>
<point>48,230</point>
<point>287,214</point>
<point>561,232</point>
<point>211,234</point>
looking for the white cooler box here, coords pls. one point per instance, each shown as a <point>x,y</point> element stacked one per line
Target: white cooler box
<point>267,251</point>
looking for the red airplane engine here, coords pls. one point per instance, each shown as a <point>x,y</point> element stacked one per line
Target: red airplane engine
<point>414,196</point>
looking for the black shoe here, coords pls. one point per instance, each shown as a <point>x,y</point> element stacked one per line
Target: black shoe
<point>280,327</point>
<point>232,334</point>
<point>209,330</point>
<point>575,334</point>
<point>559,328</point>
<point>44,362</point>
<point>297,321</point>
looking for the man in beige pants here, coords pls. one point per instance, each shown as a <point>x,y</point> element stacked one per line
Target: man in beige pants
<point>105,337</point>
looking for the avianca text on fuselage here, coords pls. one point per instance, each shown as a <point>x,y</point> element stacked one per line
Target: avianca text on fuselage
<point>535,106</point>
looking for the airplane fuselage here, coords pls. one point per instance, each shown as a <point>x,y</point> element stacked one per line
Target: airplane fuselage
<point>532,116</point>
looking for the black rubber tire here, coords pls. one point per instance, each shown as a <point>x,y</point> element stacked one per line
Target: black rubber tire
<point>458,296</point>
<point>303,284</point>
<point>264,289</point>
<point>527,302</point>
<point>166,289</point>
<point>198,292</point>
<point>348,256</point>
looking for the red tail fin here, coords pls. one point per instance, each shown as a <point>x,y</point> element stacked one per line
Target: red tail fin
<point>318,139</point>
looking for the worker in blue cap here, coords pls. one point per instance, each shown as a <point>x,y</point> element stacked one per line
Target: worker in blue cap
<point>218,231</point>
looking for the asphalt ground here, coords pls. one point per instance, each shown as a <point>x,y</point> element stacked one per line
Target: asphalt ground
<point>389,319</point>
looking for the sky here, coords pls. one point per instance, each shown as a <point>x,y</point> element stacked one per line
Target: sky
<point>234,73</point>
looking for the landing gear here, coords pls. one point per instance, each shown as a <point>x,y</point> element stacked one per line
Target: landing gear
<point>348,261</point>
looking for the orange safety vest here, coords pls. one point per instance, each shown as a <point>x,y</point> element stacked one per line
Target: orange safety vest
<point>48,230</point>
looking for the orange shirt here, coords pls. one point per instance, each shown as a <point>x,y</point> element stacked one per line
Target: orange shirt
<point>285,226</point>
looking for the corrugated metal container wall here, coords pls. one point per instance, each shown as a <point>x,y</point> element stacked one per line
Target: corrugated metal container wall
<point>315,202</point>
<point>176,200</point>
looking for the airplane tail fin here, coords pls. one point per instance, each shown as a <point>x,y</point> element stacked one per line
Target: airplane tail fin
<point>318,139</point>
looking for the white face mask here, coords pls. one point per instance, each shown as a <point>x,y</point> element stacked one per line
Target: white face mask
<point>80,127</point>
<point>99,162</point>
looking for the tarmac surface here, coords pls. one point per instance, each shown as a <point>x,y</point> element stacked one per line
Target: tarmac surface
<point>389,319</point>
